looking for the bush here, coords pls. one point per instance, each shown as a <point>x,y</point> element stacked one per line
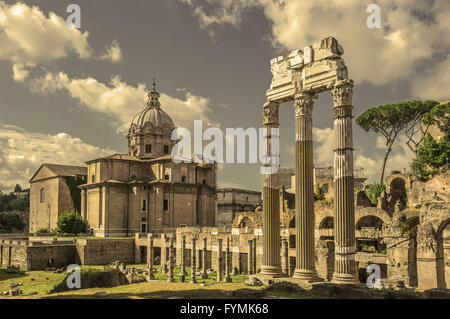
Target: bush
<point>43,230</point>
<point>70,222</point>
<point>375,191</point>
<point>318,193</point>
<point>10,221</point>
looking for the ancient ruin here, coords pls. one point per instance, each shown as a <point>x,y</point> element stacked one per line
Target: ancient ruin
<point>300,76</point>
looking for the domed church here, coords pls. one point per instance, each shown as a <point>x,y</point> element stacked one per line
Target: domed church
<point>144,190</point>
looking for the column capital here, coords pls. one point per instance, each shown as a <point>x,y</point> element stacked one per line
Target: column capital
<point>303,104</point>
<point>342,93</point>
<point>270,112</point>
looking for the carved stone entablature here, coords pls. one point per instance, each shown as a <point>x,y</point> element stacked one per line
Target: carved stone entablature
<point>270,113</point>
<point>342,93</point>
<point>315,69</point>
<point>303,104</point>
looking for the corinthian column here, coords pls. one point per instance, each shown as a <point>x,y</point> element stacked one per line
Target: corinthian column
<point>344,209</point>
<point>271,265</point>
<point>304,189</point>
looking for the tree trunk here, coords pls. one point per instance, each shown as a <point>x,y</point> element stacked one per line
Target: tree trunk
<point>386,154</point>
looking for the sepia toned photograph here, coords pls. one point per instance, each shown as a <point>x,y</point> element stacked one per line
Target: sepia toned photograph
<point>224,158</point>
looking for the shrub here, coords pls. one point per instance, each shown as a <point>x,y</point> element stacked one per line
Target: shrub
<point>43,230</point>
<point>375,191</point>
<point>70,222</point>
<point>318,193</point>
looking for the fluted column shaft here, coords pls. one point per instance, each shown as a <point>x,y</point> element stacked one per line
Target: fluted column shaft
<point>304,189</point>
<point>271,264</point>
<point>183,255</point>
<point>193,265</point>
<point>286,257</point>
<point>150,258</point>
<point>219,260</point>
<point>255,269</point>
<point>170,279</point>
<point>204,274</point>
<point>250,258</point>
<point>344,209</point>
<point>227,261</point>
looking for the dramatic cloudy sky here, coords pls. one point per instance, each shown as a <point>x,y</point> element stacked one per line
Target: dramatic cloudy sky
<point>68,95</point>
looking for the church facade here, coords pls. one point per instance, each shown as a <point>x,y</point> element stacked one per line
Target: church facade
<point>144,190</point>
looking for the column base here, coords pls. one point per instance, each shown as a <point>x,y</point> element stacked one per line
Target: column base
<point>344,279</point>
<point>306,276</point>
<point>273,271</point>
<point>227,279</point>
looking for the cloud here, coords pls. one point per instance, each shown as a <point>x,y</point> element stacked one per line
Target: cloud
<point>399,158</point>
<point>121,101</point>
<point>323,146</point>
<point>414,37</point>
<point>22,152</point>
<point>28,38</point>
<point>113,53</point>
<point>435,82</point>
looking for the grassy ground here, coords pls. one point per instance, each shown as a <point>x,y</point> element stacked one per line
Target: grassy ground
<point>42,281</point>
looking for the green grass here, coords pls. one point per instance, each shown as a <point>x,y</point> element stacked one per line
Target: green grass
<point>42,282</point>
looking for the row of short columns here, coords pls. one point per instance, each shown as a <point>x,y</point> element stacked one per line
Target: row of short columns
<point>182,275</point>
<point>344,226</point>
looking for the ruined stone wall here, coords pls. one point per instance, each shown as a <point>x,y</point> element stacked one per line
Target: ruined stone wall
<point>105,251</point>
<point>41,257</point>
<point>35,255</point>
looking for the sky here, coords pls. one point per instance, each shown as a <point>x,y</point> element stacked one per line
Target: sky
<point>68,95</point>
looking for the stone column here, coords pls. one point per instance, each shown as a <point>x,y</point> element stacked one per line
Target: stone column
<point>170,279</point>
<point>227,261</point>
<point>255,269</point>
<point>344,207</point>
<point>304,189</point>
<point>250,257</point>
<point>150,258</point>
<point>271,264</point>
<point>204,274</point>
<point>219,260</point>
<point>182,275</point>
<point>193,266</point>
<point>286,257</point>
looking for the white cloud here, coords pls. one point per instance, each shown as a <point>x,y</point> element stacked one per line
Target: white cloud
<point>399,158</point>
<point>113,53</point>
<point>22,152</point>
<point>29,38</point>
<point>122,101</point>
<point>413,35</point>
<point>323,146</point>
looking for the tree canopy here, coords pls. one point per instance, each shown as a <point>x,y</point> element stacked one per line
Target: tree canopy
<point>391,119</point>
<point>70,222</point>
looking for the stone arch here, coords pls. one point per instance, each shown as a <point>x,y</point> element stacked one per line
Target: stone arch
<point>327,223</point>
<point>443,254</point>
<point>372,211</point>
<point>397,185</point>
<point>245,222</point>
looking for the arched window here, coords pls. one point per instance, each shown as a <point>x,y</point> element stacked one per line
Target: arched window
<point>42,198</point>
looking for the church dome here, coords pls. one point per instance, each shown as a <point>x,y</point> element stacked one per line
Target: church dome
<point>153,114</point>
